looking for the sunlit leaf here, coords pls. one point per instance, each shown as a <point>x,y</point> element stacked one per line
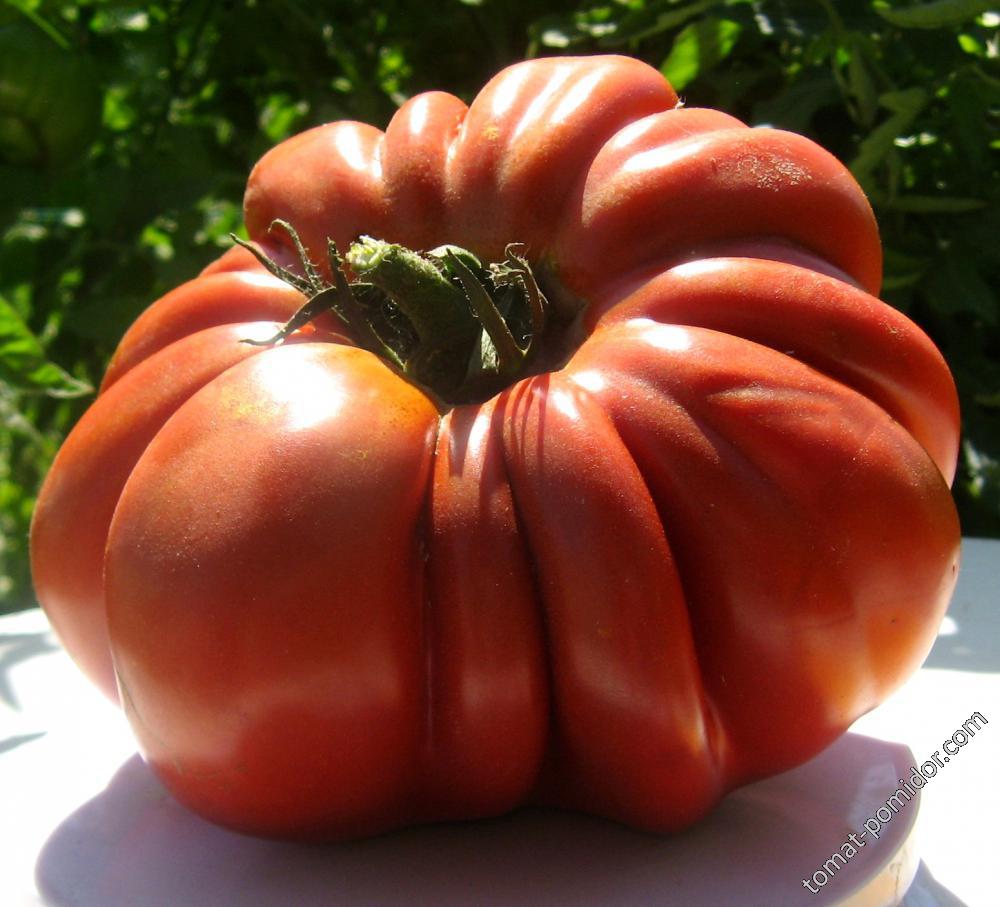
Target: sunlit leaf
<point>938,14</point>
<point>23,364</point>
<point>906,105</point>
<point>698,48</point>
<point>647,20</point>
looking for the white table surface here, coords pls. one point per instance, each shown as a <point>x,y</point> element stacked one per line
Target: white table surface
<point>83,822</point>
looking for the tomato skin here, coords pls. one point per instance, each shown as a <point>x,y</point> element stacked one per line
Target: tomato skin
<point>688,557</point>
<point>487,667</point>
<point>71,520</point>
<point>816,541</point>
<point>724,182</point>
<point>353,452</point>
<point>838,329</point>
<point>220,297</point>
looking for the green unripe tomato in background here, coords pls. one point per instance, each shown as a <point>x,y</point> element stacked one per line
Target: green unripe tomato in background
<point>50,98</point>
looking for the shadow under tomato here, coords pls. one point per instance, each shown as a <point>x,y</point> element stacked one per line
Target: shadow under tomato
<point>133,844</point>
<point>16,648</point>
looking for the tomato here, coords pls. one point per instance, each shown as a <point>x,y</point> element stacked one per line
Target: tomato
<point>696,536</point>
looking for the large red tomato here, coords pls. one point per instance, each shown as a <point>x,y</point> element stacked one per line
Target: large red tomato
<point>683,549</point>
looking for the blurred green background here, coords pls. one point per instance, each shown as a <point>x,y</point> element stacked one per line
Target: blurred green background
<point>127,131</point>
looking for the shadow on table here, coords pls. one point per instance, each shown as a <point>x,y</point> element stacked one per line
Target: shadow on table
<point>134,845</point>
<point>16,648</point>
<point>927,891</point>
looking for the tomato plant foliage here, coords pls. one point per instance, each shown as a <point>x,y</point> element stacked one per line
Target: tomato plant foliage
<point>905,93</point>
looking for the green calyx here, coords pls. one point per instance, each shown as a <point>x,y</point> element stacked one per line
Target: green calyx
<point>461,329</point>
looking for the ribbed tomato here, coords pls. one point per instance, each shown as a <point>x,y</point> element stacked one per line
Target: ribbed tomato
<point>694,525</point>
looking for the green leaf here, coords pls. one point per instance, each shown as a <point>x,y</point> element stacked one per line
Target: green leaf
<point>934,204</point>
<point>938,14</point>
<point>906,106</point>
<point>983,470</point>
<point>955,285</point>
<point>698,48</point>
<point>861,81</point>
<point>23,364</point>
<point>648,20</point>
<point>795,107</point>
<point>30,11</point>
<point>971,46</point>
<point>281,116</point>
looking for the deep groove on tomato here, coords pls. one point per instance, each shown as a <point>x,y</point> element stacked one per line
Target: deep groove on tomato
<point>538,596</point>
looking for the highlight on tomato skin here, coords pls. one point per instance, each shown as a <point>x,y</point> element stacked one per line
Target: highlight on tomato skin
<point>554,449</point>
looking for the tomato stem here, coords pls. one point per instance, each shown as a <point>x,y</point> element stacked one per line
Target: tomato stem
<point>459,328</point>
<point>435,306</point>
<point>509,354</point>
